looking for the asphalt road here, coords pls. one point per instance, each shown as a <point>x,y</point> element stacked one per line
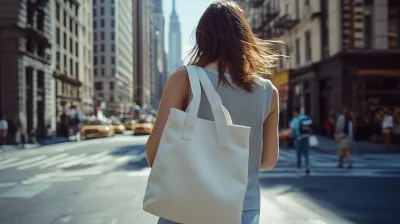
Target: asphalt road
<point>102,181</point>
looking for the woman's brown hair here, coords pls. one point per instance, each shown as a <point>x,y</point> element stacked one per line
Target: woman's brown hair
<point>224,35</point>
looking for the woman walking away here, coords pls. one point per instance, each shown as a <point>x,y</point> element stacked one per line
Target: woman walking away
<point>344,129</point>
<point>232,58</point>
<point>387,127</point>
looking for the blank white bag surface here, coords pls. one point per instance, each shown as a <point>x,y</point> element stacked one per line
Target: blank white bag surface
<point>195,181</point>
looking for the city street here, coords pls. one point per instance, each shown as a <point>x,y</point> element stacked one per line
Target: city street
<point>102,181</point>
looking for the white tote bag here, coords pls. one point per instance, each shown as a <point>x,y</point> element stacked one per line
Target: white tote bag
<point>200,171</point>
<point>313,141</point>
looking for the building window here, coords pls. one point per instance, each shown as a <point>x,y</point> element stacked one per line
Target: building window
<point>112,60</point>
<point>102,60</point>
<point>112,23</point>
<point>111,85</point>
<point>65,64</point>
<point>76,29</point>
<point>102,23</point>
<point>113,71</point>
<point>71,46</point>
<point>368,24</point>
<point>95,60</point>
<point>297,9</point>
<point>394,24</point>
<point>65,41</point>
<point>112,48</point>
<point>112,11</point>
<point>102,35</point>
<point>77,49</point>
<point>58,12</point>
<point>102,1</point>
<point>103,71</point>
<point>71,25</point>
<point>102,47</point>
<point>65,19</point>
<point>76,11</point>
<point>297,52</point>
<point>95,48</point>
<point>94,12</point>
<point>112,35</point>
<point>94,36</point>
<point>58,60</point>
<point>98,86</point>
<point>77,69</point>
<point>102,11</point>
<point>308,49</point>
<point>94,2</point>
<point>95,71</point>
<point>71,66</point>
<point>58,35</point>
<point>94,24</point>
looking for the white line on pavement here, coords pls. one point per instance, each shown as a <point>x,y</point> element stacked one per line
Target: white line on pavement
<point>8,184</point>
<point>54,158</point>
<point>10,160</point>
<point>23,162</point>
<point>63,160</point>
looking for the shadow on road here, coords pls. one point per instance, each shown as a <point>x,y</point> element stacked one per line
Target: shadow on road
<point>358,200</point>
<point>136,152</point>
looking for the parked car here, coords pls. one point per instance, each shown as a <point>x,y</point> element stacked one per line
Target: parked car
<point>143,127</point>
<point>96,129</point>
<point>119,128</point>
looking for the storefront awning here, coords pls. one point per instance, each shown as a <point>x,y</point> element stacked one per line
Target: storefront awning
<point>380,72</point>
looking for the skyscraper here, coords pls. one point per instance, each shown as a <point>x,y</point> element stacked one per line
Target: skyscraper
<point>113,56</point>
<point>175,49</point>
<point>159,58</point>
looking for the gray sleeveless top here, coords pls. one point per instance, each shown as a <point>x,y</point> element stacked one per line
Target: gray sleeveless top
<point>247,109</point>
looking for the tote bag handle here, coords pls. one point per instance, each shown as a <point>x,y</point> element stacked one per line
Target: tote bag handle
<point>222,117</point>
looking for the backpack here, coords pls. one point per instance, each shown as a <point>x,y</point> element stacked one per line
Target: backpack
<point>305,127</point>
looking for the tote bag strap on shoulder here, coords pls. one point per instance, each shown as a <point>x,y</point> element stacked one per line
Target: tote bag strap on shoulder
<point>222,117</point>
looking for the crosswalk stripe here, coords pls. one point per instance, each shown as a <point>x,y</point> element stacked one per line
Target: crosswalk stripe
<point>54,158</point>
<point>62,160</point>
<point>72,163</point>
<point>10,160</point>
<point>23,162</point>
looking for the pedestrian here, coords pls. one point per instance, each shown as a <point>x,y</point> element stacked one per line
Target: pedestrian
<point>300,129</point>
<point>232,58</point>
<point>344,129</point>
<point>387,127</point>
<point>20,136</point>
<point>3,129</point>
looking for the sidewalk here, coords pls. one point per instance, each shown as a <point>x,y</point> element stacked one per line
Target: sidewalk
<point>327,145</point>
<point>52,141</point>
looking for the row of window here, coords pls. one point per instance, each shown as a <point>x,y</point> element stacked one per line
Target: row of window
<point>72,24</point>
<point>102,48</point>
<point>99,85</point>
<point>102,36</point>
<point>102,24</point>
<point>103,60</point>
<point>101,1</point>
<point>102,11</point>
<point>71,42</point>
<point>64,66</point>
<point>103,72</point>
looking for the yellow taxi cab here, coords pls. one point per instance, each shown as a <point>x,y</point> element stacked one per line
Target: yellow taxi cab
<point>129,124</point>
<point>143,127</point>
<point>96,129</point>
<point>119,128</point>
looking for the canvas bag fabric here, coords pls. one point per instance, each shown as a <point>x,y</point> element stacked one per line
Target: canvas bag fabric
<point>200,171</point>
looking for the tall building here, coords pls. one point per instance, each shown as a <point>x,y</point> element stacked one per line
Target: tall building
<point>86,56</point>
<point>175,42</point>
<point>72,56</point>
<point>113,56</point>
<point>159,59</point>
<point>26,81</point>
<point>142,48</point>
<point>343,54</point>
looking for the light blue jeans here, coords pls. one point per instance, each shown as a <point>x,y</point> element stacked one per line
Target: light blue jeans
<point>248,217</point>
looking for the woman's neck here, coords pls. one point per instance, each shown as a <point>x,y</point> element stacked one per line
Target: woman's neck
<point>214,66</point>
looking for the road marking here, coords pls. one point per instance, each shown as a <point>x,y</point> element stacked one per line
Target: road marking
<point>124,159</point>
<point>10,160</point>
<point>57,157</point>
<point>23,162</point>
<point>8,184</point>
<point>74,162</point>
<point>25,191</point>
<point>63,160</point>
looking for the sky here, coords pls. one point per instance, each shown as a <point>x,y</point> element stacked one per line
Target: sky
<point>189,13</point>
